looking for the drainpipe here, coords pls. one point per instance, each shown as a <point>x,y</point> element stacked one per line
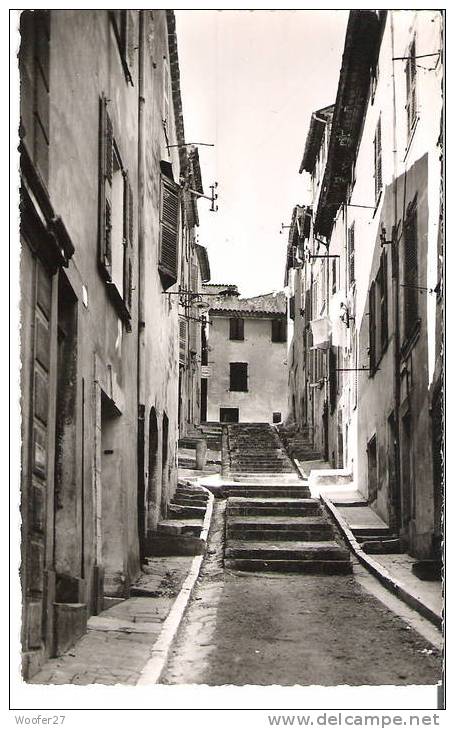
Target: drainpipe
<point>140,266</point>
<point>396,294</point>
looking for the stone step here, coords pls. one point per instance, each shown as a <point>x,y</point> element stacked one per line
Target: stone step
<point>188,501</point>
<point>180,526</point>
<point>280,528</point>
<point>295,493</point>
<point>184,512</point>
<point>288,550</point>
<point>326,567</point>
<point>243,506</point>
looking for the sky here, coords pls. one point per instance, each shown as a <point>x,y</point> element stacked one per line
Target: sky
<point>249,82</point>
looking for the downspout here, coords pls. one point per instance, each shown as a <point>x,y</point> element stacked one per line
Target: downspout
<point>396,290</point>
<point>140,269</point>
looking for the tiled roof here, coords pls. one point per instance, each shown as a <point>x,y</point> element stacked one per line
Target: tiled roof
<point>262,305</point>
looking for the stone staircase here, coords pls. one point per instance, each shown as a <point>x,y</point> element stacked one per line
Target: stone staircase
<point>179,532</point>
<point>298,444</point>
<point>272,524</point>
<point>256,448</point>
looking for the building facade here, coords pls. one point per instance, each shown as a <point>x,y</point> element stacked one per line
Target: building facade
<point>105,179</point>
<point>246,366</point>
<point>368,271</point>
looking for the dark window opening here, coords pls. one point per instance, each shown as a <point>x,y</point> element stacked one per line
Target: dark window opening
<point>334,275</point>
<point>276,417</point>
<point>229,415</point>
<point>238,377</point>
<point>236,329</point>
<point>279,330</point>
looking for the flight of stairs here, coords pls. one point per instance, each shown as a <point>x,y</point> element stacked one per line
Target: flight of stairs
<point>256,448</point>
<point>298,444</point>
<point>179,532</point>
<point>272,524</point>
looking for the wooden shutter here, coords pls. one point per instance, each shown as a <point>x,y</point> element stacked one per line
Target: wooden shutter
<point>105,183</point>
<point>128,239</point>
<point>351,255</point>
<point>384,302</point>
<point>410,272</point>
<point>411,68</point>
<point>182,340</point>
<point>130,42</point>
<point>378,160</point>
<point>372,327</point>
<point>169,229</point>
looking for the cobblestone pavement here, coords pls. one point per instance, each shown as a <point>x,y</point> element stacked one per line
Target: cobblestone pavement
<point>242,628</point>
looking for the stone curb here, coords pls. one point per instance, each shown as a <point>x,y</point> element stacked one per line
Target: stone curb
<point>153,669</point>
<point>377,569</point>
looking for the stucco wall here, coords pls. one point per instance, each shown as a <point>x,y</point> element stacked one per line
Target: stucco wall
<point>267,371</point>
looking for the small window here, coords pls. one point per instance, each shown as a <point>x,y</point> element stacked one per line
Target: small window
<point>377,161</point>
<point>291,307</point>
<point>276,417</point>
<point>372,457</point>
<point>238,377</point>
<point>236,329</point>
<point>279,330</point>
<point>383,302</point>
<point>334,275</point>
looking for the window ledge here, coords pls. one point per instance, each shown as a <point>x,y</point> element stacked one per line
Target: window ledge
<point>409,343</point>
<point>119,304</point>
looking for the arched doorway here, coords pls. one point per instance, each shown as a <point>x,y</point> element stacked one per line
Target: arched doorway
<point>153,474</point>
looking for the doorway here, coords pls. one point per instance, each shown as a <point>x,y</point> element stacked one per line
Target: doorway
<point>153,495</point>
<point>164,464</point>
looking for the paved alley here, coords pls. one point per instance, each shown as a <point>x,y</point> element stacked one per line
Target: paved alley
<point>265,629</point>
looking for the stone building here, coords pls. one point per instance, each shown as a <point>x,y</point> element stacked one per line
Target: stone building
<point>105,201</point>
<point>370,259</point>
<point>246,365</point>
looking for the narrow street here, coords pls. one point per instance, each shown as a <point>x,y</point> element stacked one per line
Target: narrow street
<point>265,629</point>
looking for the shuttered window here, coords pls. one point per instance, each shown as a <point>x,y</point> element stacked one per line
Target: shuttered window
<point>169,232</point>
<point>351,255</point>
<point>410,265</point>
<point>128,238</point>
<point>411,107</point>
<point>333,376</point>
<point>236,329</point>
<point>334,275</point>
<point>372,328</point>
<point>378,161</point>
<point>238,377</point>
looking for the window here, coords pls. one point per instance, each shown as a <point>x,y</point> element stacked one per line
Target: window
<point>116,223</point>
<point>276,417</point>
<point>169,232</point>
<point>34,69</point>
<point>411,108</point>
<point>377,161</point>
<point>126,33</point>
<point>279,330</point>
<point>333,378</point>
<point>378,315</point>
<point>238,377</point>
<point>236,329</point>
<point>334,275</point>
<point>410,273</point>
<point>351,255</point>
